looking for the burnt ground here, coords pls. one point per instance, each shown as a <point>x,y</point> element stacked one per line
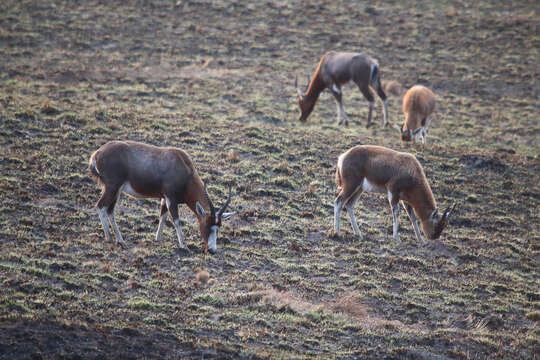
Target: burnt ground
<point>217,80</point>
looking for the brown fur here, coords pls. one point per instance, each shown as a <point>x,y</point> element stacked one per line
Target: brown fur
<point>388,171</point>
<point>393,87</point>
<point>153,172</point>
<point>338,68</point>
<point>418,104</point>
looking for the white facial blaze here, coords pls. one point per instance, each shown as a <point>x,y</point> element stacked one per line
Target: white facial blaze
<point>212,238</point>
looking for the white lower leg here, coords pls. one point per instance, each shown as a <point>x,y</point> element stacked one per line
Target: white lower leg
<point>385,112</point>
<point>337,210</point>
<point>102,213</point>
<point>395,212</point>
<point>159,231</point>
<point>179,233</point>
<point>417,231</point>
<point>414,222</point>
<point>338,110</point>
<point>371,106</point>
<point>350,210</point>
<point>119,238</point>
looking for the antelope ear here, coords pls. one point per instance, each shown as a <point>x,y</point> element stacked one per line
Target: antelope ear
<point>227,215</point>
<point>200,210</point>
<point>415,132</point>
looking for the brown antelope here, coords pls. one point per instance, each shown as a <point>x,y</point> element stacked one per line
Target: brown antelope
<point>336,69</point>
<point>146,171</point>
<point>418,106</point>
<point>400,175</point>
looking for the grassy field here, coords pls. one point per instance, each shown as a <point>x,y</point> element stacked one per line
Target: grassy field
<point>216,79</point>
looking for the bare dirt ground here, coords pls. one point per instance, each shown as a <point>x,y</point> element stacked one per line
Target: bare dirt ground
<point>216,79</point>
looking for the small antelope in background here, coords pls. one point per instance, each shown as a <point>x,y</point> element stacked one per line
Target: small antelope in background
<point>399,175</point>
<point>146,171</point>
<point>336,69</point>
<point>418,106</point>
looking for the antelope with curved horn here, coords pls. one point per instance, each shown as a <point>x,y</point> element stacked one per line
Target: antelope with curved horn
<point>334,70</point>
<point>399,175</point>
<point>419,103</point>
<point>146,171</point>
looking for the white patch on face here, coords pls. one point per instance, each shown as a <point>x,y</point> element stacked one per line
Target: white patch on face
<point>127,189</point>
<point>369,187</point>
<point>212,238</point>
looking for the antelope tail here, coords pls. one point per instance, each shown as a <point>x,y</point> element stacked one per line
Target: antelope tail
<point>374,76</point>
<point>92,166</point>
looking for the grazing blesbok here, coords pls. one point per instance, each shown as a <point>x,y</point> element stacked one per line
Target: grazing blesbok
<point>336,69</point>
<point>418,106</point>
<point>399,175</point>
<point>146,171</point>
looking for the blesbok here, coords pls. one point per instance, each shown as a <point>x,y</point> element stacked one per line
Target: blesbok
<point>418,106</point>
<point>146,171</point>
<point>399,175</point>
<point>336,69</point>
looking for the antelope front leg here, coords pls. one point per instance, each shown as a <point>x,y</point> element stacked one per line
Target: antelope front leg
<point>179,233</point>
<point>341,115</point>
<point>394,204</point>
<point>414,222</point>
<point>162,218</point>
<point>173,210</point>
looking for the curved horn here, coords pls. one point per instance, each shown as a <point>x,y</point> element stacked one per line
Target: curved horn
<point>224,207</point>
<point>448,212</point>
<point>212,209</point>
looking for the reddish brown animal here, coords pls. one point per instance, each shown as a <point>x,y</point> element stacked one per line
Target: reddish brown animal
<point>400,176</point>
<point>146,171</point>
<point>336,69</point>
<point>418,106</point>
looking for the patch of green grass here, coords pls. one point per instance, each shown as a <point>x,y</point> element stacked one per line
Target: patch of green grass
<point>209,299</point>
